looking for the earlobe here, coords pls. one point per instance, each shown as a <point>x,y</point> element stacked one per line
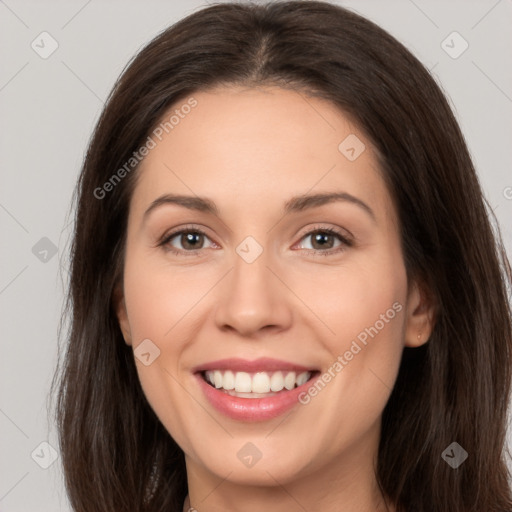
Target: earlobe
<point>420,315</point>
<point>122,314</point>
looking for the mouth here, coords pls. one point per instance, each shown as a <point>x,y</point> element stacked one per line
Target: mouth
<point>261,384</point>
<point>256,390</point>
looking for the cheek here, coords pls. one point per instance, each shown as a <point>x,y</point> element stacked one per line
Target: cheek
<point>159,299</point>
<point>355,296</point>
<point>159,302</point>
<point>361,305</point>
<point>365,350</point>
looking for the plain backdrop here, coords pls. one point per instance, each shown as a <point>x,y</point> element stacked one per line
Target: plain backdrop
<point>48,108</point>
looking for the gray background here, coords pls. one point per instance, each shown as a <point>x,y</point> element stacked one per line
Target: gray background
<point>48,110</point>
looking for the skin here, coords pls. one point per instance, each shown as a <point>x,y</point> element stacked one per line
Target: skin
<point>249,151</point>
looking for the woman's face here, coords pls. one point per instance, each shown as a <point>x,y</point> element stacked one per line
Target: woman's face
<point>265,280</point>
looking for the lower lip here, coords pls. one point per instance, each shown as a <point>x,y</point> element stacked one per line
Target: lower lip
<point>252,409</point>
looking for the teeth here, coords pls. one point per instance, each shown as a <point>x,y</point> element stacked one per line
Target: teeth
<point>228,380</point>
<point>303,378</point>
<point>217,379</point>
<point>242,382</point>
<point>277,381</point>
<point>289,381</point>
<point>259,383</point>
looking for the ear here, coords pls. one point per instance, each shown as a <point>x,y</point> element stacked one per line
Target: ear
<point>420,314</point>
<point>121,313</point>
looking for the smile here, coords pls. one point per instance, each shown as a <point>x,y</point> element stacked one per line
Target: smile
<point>255,385</point>
<point>253,390</point>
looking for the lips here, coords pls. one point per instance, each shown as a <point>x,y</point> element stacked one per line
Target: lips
<point>263,364</point>
<point>250,406</point>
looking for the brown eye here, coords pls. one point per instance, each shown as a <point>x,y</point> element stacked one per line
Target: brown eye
<point>191,240</point>
<point>323,241</point>
<point>185,241</point>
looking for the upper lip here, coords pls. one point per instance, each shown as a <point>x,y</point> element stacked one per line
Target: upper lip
<point>264,364</point>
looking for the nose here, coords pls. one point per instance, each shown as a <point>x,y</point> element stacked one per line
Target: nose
<point>253,299</point>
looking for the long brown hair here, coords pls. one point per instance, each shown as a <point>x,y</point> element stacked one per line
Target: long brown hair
<point>116,454</point>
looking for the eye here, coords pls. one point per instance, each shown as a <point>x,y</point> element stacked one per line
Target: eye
<point>323,241</point>
<point>191,239</point>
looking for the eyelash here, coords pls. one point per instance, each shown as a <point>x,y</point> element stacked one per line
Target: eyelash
<point>346,242</point>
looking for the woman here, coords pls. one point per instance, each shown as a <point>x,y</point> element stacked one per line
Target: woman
<point>285,290</point>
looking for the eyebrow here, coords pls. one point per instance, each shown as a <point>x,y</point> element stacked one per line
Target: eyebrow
<point>295,204</point>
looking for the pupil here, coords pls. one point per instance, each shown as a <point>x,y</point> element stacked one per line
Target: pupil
<point>320,238</point>
<point>189,239</point>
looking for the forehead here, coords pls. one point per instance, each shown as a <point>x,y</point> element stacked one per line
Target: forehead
<point>258,147</point>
